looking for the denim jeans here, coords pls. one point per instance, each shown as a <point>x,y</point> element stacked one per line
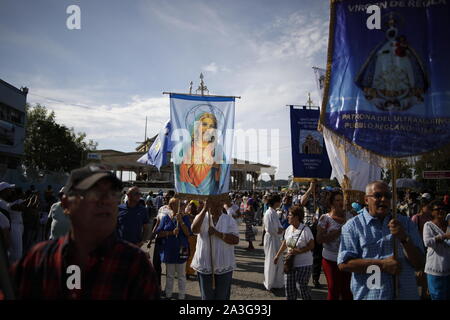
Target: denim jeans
<point>439,287</point>
<point>222,288</point>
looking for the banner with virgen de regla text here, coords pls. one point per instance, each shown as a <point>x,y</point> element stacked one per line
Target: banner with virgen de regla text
<point>388,89</point>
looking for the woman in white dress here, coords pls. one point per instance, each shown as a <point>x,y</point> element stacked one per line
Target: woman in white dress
<point>273,273</point>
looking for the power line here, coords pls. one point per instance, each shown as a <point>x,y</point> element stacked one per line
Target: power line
<point>61,101</point>
<point>78,105</point>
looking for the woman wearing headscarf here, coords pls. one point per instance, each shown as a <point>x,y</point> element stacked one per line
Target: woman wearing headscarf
<point>273,272</point>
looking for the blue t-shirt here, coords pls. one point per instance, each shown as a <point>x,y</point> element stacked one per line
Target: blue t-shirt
<point>130,222</point>
<point>283,220</point>
<point>173,245</point>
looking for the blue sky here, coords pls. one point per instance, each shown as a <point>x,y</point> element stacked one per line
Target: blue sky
<point>107,77</point>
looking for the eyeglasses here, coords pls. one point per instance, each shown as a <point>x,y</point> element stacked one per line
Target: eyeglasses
<point>379,195</point>
<point>95,195</point>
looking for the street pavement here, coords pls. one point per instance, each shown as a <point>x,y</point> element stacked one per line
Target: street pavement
<point>248,277</point>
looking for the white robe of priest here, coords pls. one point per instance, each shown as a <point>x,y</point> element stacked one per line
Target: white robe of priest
<point>273,273</point>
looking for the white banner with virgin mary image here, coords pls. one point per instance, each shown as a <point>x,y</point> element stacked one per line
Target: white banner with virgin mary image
<point>202,140</point>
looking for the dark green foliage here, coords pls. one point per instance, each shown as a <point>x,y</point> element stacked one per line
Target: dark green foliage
<point>50,146</point>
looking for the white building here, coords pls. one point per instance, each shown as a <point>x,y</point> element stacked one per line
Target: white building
<point>12,125</point>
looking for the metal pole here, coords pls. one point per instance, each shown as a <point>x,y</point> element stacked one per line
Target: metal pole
<point>394,216</point>
<point>145,137</point>
<point>212,260</point>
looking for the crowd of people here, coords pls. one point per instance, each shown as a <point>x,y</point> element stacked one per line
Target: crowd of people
<point>96,225</point>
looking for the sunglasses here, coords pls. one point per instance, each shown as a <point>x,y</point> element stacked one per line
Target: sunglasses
<point>379,195</point>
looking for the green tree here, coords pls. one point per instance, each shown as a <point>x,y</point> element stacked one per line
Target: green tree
<point>404,170</point>
<point>49,146</point>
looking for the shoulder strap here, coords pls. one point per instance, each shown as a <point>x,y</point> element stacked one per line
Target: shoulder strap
<point>301,231</point>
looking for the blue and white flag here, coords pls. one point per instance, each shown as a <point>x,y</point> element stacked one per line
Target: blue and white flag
<point>157,154</point>
<point>202,140</point>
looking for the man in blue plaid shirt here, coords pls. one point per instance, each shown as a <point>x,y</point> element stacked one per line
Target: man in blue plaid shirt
<point>367,240</point>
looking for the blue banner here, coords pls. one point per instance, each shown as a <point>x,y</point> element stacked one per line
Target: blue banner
<point>388,89</point>
<point>309,154</point>
<point>202,140</point>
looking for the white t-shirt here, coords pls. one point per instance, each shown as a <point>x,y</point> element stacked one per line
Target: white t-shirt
<point>331,249</point>
<point>163,211</point>
<point>223,253</point>
<point>291,235</point>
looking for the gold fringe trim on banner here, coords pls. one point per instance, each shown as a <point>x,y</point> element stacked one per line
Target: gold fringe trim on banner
<point>357,151</point>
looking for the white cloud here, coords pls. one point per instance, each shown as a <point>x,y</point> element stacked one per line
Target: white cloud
<point>113,126</point>
<point>212,67</point>
<point>271,67</point>
<point>195,17</point>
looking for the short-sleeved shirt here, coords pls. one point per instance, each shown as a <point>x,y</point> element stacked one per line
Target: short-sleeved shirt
<point>222,253</point>
<point>367,237</point>
<point>130,222</point>
<point>172,245</point>
<point>61,223</point>
<point>331,249</point>
<point>291,235</point>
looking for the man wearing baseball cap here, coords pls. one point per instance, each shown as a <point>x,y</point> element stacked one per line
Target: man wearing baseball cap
<point>90,262</point>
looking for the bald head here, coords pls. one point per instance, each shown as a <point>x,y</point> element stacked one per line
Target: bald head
<point>133,196</point>
<point>132,189</point>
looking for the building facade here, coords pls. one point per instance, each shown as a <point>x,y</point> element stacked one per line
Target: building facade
<point>12,125</point>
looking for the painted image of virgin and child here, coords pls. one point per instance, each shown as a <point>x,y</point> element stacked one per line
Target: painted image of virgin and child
<point>203,167</point>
